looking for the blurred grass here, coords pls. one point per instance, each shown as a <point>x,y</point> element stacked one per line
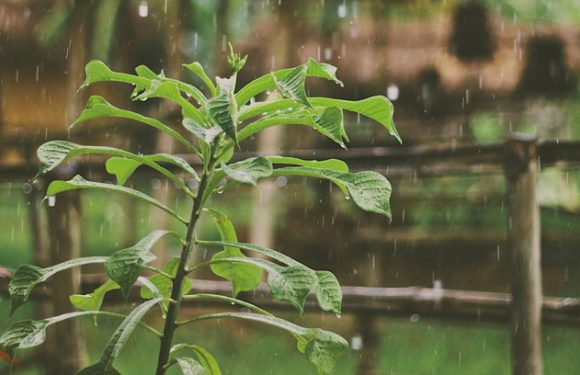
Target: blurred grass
<point>426,347</point>
<point>15,241</point>
<point>445,348</point>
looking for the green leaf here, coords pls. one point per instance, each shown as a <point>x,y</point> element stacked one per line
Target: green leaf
<point>145,72</point>
<point>292,85</point>
<point>98,107</point>
<point>52,153</point>
<point>328,122</point>
<point>122,168</point>
<point>207,135</point>
<point>26,277</point>
<point>24,334</point>
<point>328,292</point>
<point>205,358</point>
<point>243,276</point>
<point>78,182</point>
<point>160,89</point>
<point>322,70</point>
<point>23,281</point>
<point>249,170</point>
<point>322,348</point>
<point>124,266</point>
<point>369,190</point>
<point>377,108</point>
<point>97,71</point>
<point>225,228</point>
<point>266,82</point>
<point>269,107</point>
<point>223,112</point>
<point>93,301</point>
<point>330,164</point>
<point>198,70</point>
<point>246,171</point>
<point>327,288</point>
<point>291,284</point>
<point>190,366</point>
<point>118,340</point>
<point>157,80</point>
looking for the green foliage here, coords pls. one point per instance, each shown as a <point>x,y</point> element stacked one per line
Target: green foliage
<point>216,126</point>
<point>204,358</point>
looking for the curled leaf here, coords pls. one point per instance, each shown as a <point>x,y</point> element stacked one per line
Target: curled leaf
<point>26,277</point>
<point>124,266</point>
<point>249,170</point>
<point>243,276</point>
<point>24,334</point>
<point>93,301</point>
<point>292,85</point>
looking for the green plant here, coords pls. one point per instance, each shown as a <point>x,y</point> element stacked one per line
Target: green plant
<point>217,124</point>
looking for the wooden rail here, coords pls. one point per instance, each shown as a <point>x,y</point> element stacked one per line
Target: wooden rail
<point>392,161</point>
<point>378,302</point>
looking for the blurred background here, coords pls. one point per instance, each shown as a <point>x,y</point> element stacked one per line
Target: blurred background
<point>462,76</point>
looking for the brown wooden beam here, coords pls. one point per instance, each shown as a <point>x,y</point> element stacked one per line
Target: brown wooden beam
<point>521,168</point>
<point>392,161</point>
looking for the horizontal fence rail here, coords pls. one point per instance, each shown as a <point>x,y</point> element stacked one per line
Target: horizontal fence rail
<point>426,302</point>
<point>392,161</point>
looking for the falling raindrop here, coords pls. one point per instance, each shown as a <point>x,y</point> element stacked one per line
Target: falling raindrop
<point>393,92</point>
<point>27,188</point>
<point>327,53</point>
<point>143,9</point>
<point>437,285</point>
<point>342,10</point>
<point>356,342</point>
<point>51,201</point>
<point>156,183</point>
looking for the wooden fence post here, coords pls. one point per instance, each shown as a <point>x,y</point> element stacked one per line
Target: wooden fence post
<point>521,167</point>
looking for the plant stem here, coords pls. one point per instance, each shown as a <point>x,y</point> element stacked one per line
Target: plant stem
<point>231,300</point>
<point>176,290</point>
